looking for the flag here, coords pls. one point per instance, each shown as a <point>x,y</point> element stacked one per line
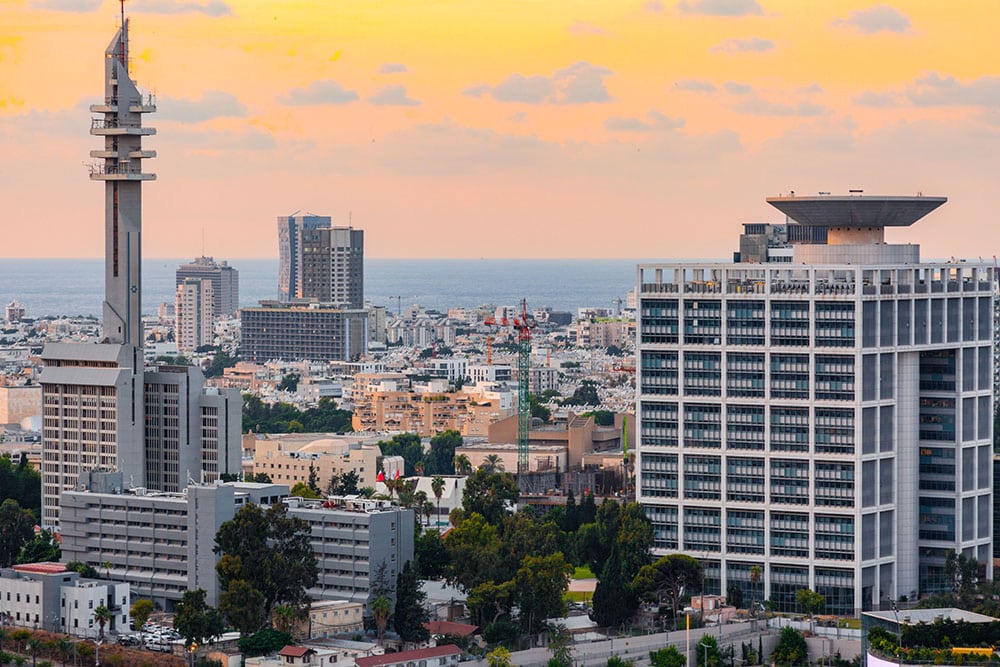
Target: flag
<point>397,475</point>
<point>380,477</point>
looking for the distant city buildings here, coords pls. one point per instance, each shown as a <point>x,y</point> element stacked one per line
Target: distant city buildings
<point>224,279</point>
<point>320,262</point>
<point>819,413</point>
<point>293,458</point>
<point>194,308</point>
<point>13,312</point>
<point>293,332</point>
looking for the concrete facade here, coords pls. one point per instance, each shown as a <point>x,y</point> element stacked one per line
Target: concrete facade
<point>193,324</point>
<point>830,424</point>
<point>287,458</point>
<point>296,332</point>
<point>19,402</point>
<point>225,281</point>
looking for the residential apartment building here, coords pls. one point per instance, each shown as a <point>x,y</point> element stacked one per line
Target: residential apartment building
<point>194,319</point>
<point>320,262</point>
<point>295,332</point>
<point>225,281</point>
<point>821,408</point>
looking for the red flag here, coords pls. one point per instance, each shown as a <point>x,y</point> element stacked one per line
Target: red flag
<point>380,477</point>
<point>397,475</point>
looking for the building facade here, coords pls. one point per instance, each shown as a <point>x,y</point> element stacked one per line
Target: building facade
<point>291,458</point>
<point>296,332</point>
<point>193,310</point>
<point>319,261</point>
<point>820,412</point>
<point>225,281</point>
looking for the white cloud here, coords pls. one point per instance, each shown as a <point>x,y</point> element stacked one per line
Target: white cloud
<point>654,121</point>
<point>744,45</point>
<point>68,5</point>
<point>581,28</point>
<point>653,6</point>
<point>737,88</point>
<point>937,90</point>
<point>394,96</point>
<point>695,86</point>
<point>757,106</point>
<point>392,68</point>
<point>580,83</point>
<point>212,104</point>
<point>880,18</point>
<point>210,8</point>
<point>319,92</point>
<point>720,7</point>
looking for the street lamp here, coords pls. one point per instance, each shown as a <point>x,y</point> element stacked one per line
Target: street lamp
<point>702,644</point>
<point>97,652</point>
<point>899,631</point>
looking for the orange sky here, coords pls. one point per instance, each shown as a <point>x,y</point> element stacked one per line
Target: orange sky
<point>523,128</point>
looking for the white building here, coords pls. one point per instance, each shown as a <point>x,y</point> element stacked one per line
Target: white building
<point>820,410</point>
<point>195,303</point>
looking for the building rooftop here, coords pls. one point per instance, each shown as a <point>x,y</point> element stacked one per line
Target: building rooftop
<point>915,616</point>
<point>856,210</point>
<point>41,568</point>
<point>407,656</point>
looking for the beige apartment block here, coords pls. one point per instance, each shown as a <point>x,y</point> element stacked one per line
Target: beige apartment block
<point>20,402</point>
<point>288,457</point>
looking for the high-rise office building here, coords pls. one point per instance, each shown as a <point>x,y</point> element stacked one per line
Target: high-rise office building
<point>93,396</point>
<point>320,262</point>
<point>819,412</point>
<point>194,322</point>
<point>225,283</point>
<point>295,332</point>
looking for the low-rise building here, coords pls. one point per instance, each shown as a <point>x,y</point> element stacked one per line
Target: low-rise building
<point>328,618</point>
<point>434,656</point>
<point>290,458</point>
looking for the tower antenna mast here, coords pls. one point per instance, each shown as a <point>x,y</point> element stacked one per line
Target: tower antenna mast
<point>122,33</point>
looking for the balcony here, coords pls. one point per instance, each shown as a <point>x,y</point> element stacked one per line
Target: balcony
<point>118,172</point>
<point>112,126</point>
<point>110,105</point>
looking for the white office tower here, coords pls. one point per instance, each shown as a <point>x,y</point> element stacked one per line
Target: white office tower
<point>94,396</point>
<point>819,412</point>
<point>194,307</point>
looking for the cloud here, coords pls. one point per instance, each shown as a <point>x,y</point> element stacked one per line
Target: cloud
<point>393,96</point>
<point>656,121</point>
<point>392,68</point>
<point>695,86</point>
<point>937,90</point>
<point>519,117</point>
<point>319,92</point>
<point>743,45</point>
<point>212,104</point>
<point>880,18</point>
<point>580,28</point>
<point>580,83</point>
<point>737,88</point>
<point>653,6</point>
<point>720,7</point>
<point>68,5</point>
<point>210,8</point>
<point>756,106</point>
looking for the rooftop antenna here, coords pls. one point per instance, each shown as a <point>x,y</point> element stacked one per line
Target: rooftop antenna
<point>122,33</point>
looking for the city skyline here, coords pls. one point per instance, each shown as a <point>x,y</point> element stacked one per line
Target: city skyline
<point>542,130</point>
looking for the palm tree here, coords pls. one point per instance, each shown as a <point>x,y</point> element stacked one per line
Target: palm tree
<point>381,608</point>
<point>420,499</point>
<point>65,648</point>
<point>107,570</point>
<point>462,464</point>
<point>35,647</point>
<point>755,574</point>
<point>284,615</point>
<point>437,486</point>
<point>103,616</point>
<point>491,464</point>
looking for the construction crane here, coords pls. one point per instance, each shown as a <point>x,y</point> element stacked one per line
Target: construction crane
<point>523,325</point>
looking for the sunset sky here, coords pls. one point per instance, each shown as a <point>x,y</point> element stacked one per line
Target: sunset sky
<point>503,128</point>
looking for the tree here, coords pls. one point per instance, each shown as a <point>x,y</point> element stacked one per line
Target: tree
<point>462,465</point>
<point>791,650</point>
<point>85,571</point>
<point>140,611</point>
<point>667,657</point>
<point>284,617</point>
<point>489,494</point>
<point>613,601</point>
<point>264,642</point>
<point>243,607</point>
<point>670,575</point>
<point>474,552</point>
<point>734,596</point>
<point>381,609</point>
<point>289,382</point>
<point>962,572</point>
<point>560,646</point>
<point>408,446</point>
<point>409,616</point>
<point>270,551</point>
<point>42,548</point>
<point>708,654</point>
<point>313,480</point>
<point>437,487</point>
<point>498,657</point>
<point>490,603</point>
<point>585,394</point>
<point>618,661</point>
<point>195,620</point>
<point>539,586</point>
<point>17,526</point>
<point>492,463</point>
<point>35,646</point>
<point>20,482</point>
<point>303,490</point>
<point>103,616</point>
<point>441,455</point>
<point>810,602</point>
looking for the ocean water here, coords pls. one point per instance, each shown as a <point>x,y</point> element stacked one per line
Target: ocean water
<point>76,286</point>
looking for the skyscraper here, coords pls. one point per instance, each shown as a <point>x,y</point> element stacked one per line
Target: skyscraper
<point>94,398</point>
<point>320,262</point>
<point>818,414</point>
<point>194,304</point>
<point>225,283</point>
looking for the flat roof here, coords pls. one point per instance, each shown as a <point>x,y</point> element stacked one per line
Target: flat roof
<point>856,210</point>
<point>41,568</point>
<point>915,616</point>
